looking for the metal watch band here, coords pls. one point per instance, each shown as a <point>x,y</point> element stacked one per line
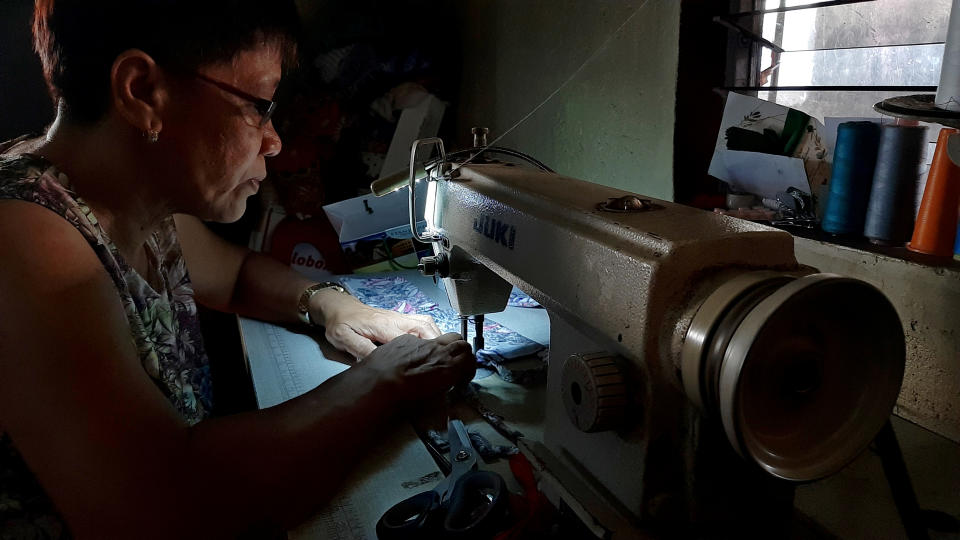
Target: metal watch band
<point>303,306</point>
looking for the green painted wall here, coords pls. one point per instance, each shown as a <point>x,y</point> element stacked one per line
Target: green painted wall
<point>613,123</point>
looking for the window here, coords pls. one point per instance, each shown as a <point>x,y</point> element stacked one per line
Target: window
<point>839,57</point>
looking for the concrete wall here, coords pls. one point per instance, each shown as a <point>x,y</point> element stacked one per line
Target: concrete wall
<point>927,298</point>
<point>613,123</point>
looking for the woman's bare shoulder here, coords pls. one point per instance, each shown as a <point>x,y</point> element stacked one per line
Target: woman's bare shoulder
<point>74,397</point>
<point>34,237</point>
<point>47,265</point>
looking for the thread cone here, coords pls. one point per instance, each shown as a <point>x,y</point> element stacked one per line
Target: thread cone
<point>853,165</point>
<point>936,225</point>
<point>889,219</point>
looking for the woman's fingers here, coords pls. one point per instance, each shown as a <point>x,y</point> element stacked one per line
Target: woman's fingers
<point>456,356</point>
<point>425,327</point>
<point>385,326</point>
<point>396,324</point>
<point>465,366</point>
<point>346,339</point>
<point>424,367</point>
<point>449,338</point>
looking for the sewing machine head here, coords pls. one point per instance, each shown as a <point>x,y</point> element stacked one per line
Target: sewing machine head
<point>655,307</point>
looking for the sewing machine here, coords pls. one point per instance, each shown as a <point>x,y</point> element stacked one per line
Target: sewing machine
<point>696,371</point>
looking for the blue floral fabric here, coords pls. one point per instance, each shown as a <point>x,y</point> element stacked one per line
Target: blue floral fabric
<point>519,298</point>
<point>503,347</point>
<point>398,294</point>
<point>163,325</point>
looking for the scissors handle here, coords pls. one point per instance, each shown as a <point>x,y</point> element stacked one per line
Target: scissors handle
<point>408,518</point>
<point>478,505</point>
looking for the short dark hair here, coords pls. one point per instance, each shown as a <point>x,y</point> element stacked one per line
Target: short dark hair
<point>78,40</point>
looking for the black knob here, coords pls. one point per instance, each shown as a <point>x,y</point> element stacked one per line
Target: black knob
<point>434,265</point>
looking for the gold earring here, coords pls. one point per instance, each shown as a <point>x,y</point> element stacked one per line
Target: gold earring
<point>152,135</point>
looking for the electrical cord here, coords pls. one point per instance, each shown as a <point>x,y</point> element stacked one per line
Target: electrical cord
<point>395,264</point>
<point>501,150</point>
<point>472,153</point>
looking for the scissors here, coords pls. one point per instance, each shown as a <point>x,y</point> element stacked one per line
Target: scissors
<point>466,504</point>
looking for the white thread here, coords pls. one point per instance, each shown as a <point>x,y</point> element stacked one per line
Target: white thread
<point>948,91</point>
<point>563,84</point>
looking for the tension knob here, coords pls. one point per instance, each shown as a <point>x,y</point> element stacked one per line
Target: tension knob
<point>594,391</point>
<point>434,265</point>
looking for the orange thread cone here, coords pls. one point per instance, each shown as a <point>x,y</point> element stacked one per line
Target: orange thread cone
<point>936,226</point>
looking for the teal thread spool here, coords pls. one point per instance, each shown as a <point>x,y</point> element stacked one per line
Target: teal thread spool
<point>853,164</point>
<point>890,213</point>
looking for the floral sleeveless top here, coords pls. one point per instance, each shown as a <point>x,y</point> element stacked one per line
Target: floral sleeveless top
<point>163,325</point>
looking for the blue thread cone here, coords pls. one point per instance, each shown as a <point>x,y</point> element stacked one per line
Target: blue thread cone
<point>890,214</point>
<point>853,163</point>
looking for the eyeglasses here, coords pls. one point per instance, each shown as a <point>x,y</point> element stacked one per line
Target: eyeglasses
<point>264,107</point>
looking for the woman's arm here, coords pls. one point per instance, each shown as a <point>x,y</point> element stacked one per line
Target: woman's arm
<point>232,278</point>
<point>112,452</point>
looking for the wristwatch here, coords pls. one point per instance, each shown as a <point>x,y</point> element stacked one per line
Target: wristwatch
<point>303,306</point>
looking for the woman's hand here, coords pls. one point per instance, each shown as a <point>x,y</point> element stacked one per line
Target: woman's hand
<point>417,369</point>
<point>353,327</point>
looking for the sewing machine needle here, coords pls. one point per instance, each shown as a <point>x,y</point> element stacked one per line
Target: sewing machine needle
<point>464,325</point>
<point>478,329</point>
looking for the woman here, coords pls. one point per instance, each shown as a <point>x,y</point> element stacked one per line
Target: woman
<point>163,120</point>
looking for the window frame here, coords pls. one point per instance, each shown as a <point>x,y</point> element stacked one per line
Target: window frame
<point>745,51</point>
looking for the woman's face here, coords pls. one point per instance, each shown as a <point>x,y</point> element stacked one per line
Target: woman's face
<point>217,141</point>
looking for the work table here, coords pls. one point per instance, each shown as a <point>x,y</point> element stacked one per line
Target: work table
<point>284,363</point>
